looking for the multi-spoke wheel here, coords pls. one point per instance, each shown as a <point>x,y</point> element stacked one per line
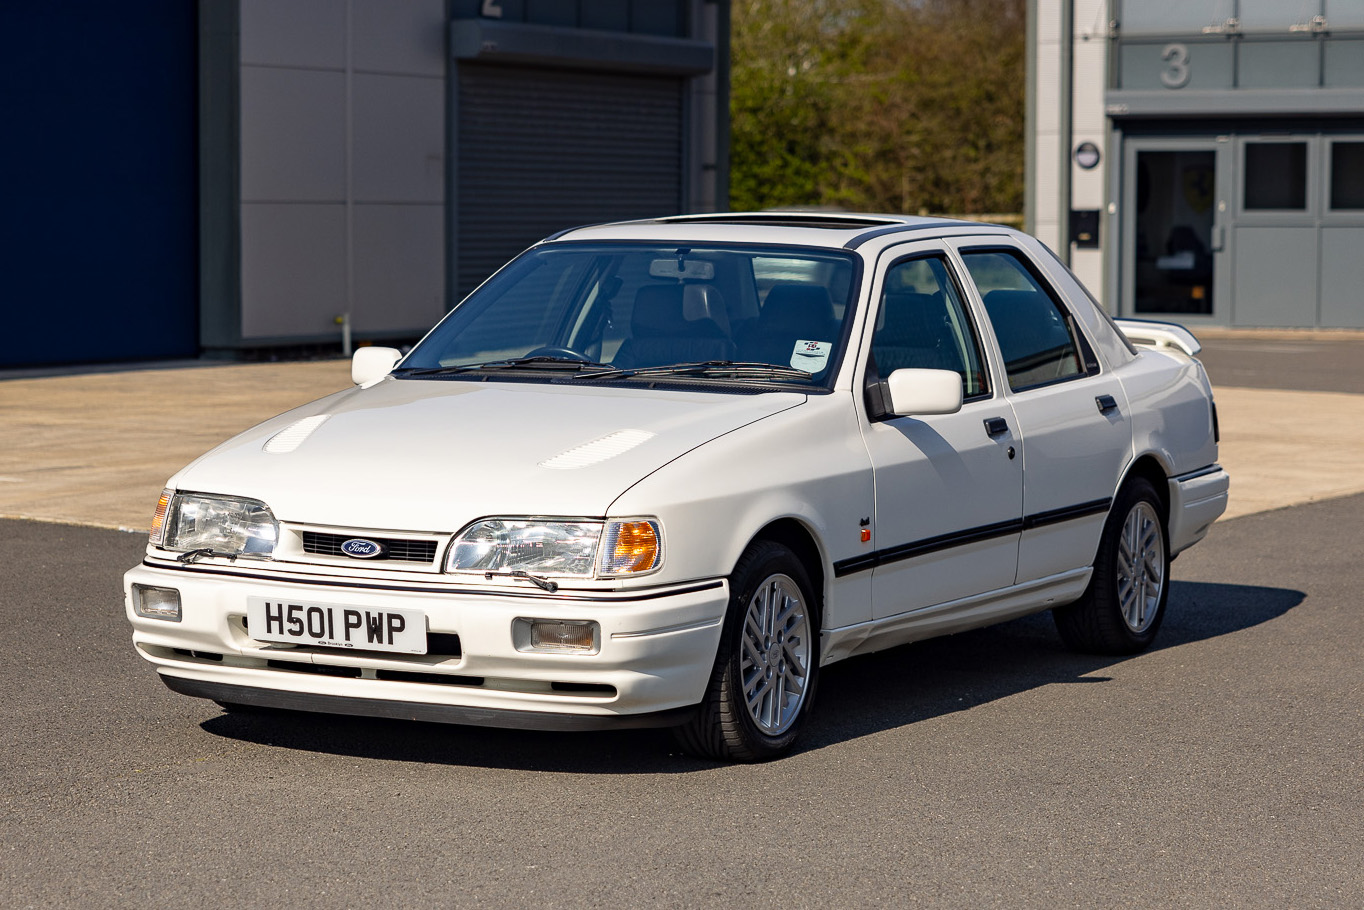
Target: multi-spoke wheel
<point>765,669</point>
<point>774,659</point>
<point>1121,609</point>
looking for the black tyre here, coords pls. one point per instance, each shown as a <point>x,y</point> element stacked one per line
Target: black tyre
<point>1123,606</point>
<point>767,664</point>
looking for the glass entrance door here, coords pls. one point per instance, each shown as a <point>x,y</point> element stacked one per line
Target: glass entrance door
<point>1173,255</point>
<point>1173,232</point>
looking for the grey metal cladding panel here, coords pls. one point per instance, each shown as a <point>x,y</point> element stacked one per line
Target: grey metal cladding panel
<point>1208,63</point>
<point>542,150</point>
<point>1279,64</point>
<point>1344,62</point>
<point>1344,13</point>
<point>1342,276</point>
<point>399,37</point>
<point>302,33</point>
<point>1275,15</point>
<point>1172,16</point>
<point>1276,276</point>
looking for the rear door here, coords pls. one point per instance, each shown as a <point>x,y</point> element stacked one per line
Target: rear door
<point>949,487</point>
<point>1072,415</point>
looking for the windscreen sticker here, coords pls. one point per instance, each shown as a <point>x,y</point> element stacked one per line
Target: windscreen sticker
<point>811,356</point>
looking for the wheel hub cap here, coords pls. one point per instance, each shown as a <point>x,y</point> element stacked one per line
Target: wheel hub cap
<point>1141,567</point>
<point>775,660</point>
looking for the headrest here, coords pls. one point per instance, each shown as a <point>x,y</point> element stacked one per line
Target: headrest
<point>657,310</point>
<point>797,307</point>
<point>704,301</point>
<point>907,311</point>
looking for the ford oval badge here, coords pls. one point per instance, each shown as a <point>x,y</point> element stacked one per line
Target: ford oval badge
<point>361,548</point>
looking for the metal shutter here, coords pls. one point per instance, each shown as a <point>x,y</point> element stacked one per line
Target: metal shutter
<point>541,150</point>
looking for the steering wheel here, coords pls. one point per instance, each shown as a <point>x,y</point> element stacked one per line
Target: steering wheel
<point>561,353</point>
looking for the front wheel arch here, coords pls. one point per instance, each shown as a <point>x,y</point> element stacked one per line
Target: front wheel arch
<point>797,538</point>
<point>766,667</point>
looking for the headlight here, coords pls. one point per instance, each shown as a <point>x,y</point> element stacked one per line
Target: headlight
<point>223,524</point>
<point>581,549</point>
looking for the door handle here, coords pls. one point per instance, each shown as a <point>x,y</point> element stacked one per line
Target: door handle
<point>1105,403</point>
<point>996,426</point>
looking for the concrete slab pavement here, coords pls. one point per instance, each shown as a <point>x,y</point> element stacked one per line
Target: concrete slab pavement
<point>96,448</point>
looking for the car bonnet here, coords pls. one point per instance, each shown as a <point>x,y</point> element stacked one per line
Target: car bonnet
<point>433,455</point>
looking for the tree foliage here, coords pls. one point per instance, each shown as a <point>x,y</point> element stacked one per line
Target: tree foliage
<point>878,105</point>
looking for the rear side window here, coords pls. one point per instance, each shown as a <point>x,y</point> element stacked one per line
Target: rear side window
<point>922,324</point>
<point>1036,335</point>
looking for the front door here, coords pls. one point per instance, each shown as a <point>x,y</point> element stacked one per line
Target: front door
<point>1174,230</point>
<point>949,487</point>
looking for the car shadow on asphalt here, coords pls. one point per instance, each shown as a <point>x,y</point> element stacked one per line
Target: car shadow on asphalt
<point>858,697</point>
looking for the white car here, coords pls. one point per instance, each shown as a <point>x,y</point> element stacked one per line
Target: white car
<point>661,472</point>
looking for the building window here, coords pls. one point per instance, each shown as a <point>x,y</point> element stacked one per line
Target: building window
<point>1276,176</point>
<point>1347,175</point>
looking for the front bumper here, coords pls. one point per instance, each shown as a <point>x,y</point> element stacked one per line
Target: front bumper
<point>657,650</point>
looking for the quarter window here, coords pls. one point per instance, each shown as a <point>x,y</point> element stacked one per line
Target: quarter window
<point>1036,336</point>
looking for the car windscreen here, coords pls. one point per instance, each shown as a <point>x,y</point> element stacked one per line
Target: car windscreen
<point>643,309</point>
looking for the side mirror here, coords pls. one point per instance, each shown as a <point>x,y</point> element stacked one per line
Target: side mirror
<point>921,392</point>
<point>371,363</point>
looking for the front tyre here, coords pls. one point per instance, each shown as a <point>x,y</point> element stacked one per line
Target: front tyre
<point>1124,604</point>
<point>767,664</point>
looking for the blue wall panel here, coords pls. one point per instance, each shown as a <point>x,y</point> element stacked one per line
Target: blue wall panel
<point>98,152</point>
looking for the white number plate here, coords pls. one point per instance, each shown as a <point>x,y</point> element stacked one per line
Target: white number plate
<point>336,625</point>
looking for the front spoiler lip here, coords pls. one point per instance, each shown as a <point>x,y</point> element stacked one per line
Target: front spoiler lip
<point>420,711</point>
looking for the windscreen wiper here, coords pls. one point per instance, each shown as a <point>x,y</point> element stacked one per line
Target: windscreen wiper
<point>706,368</point>
<point>539,362</point>
<point>192,556</point>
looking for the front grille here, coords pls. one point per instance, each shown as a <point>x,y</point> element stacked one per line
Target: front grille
<point>318,669</point>
<point>396,549</point>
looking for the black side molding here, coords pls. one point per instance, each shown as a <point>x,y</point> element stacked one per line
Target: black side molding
<point>969,536</point>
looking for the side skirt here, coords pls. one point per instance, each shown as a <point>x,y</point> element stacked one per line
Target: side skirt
<point>954,616</point>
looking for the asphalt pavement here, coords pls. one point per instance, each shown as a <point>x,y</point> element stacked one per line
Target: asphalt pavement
<point>988,769</point>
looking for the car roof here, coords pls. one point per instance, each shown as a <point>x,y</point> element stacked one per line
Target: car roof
<point>829,230</point>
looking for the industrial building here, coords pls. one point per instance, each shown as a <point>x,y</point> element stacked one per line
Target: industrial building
<point>1202,160</point>
<point>235,177</point>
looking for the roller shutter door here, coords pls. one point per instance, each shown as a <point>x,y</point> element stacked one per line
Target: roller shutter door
<point>541,150</point>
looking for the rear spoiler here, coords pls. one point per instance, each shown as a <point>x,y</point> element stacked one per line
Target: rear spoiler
<point>1150,334</point>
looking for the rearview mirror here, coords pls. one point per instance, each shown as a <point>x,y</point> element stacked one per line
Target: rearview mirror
<point>372,363</point>
<point>923,392</point>
<point>682,270</point>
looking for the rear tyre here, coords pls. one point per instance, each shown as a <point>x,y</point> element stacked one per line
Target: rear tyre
<point>767,663</point>
<point>1122,608</point>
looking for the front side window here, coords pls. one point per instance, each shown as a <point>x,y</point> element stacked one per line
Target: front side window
<point>1036,336</point>
<point>922,324</point>
<point>644,309</point>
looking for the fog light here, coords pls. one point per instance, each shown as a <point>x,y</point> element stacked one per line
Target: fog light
<point>573,636</point>
<point>156,603</point>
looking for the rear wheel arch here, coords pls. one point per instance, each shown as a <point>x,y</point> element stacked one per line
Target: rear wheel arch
<point>1149,468</point>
